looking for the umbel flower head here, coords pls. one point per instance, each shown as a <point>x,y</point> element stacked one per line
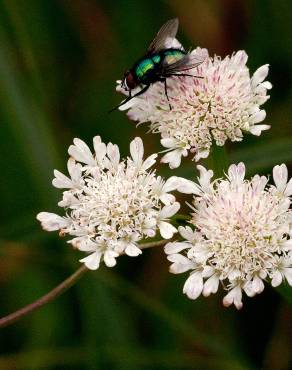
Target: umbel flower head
<point>111,204</point>
<point>242,234</point>
<point>221,105</point>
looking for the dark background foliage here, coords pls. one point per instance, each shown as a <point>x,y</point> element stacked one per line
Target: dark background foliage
<point>59,60</point>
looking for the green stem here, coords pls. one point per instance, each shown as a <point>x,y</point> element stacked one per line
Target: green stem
<point>58,290</point>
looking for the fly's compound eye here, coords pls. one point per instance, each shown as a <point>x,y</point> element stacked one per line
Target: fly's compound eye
<point>130,81</point>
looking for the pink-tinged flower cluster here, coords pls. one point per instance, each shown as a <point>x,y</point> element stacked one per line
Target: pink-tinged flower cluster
<point>111,204</point>
<point>221,105</point>
<point>241,235</point>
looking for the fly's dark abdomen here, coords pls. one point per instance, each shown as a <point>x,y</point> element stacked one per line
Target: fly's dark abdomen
<point>171,56</point>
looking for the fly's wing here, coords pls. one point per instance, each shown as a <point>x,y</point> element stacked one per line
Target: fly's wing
<point>187,62</point>
<point>168,30</point>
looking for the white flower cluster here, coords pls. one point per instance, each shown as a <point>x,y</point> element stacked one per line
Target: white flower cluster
<point>242,234</point>
<point>219,106</point>
<point>111,204</point>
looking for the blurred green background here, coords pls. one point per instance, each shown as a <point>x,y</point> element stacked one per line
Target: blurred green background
<point>59,60</point>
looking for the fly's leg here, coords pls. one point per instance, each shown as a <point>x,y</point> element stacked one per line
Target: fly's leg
<point>165,90</point>
<point>185,75</point>
<point>163,79</point>
<point>130,97</point>
<point>145,88</point>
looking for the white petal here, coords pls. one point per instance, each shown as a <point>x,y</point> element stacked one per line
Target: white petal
<point>71,164</point>
<point>208,271</point>
<point>180,263</point>
<point>68,200</point>
<point>149,232</point>
<point>169,211</point>
<point>211,285</point>
<point>258,117</point>
<point>249,289</point>
<point>257,285</point>
<point>92,261</point>
<point>288,275</point>
<point>259,75</point>
<point>178,258</point>
<point>99,148</point>
<point>205,177</point>
<point>203,153</point>
<point>168,143</point>
<point>167,199</point>
<point>267,85</point>
<point>83,243</point>
<point>236,172</point>
<point>81,152</point>
<point>75,171</point>
<point>113,153</point>
<point>259,183</point>
<point>149,162</point>
<point>173,158</point>
<point>277,279</point>
<point>240,58</point>
<point>257,129</point>
<point>235,297</point>
<point>179,268</point>
<point>187,233</point>
<point>253,109</point>
<point>280,176</point>
<point>137,150</point>
<point>51,221</point>
<point>171,184</point>
<point>288,190</point>
<point>150,222</point>
<point>96,140</point>
<point>194,285</point>
<point>176,247</point>
<point>187,186</point>
<point>166,230</point>
<point>61,181</point>
<point>132,251</point>
<point>110,258</point>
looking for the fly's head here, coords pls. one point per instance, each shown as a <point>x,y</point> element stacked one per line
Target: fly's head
<point>129,81</point>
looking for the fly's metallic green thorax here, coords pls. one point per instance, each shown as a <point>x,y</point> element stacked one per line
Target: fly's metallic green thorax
<point>156,58</point>
<point>152,65</point>
<point>147,66</point>
<point>143,67</point>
